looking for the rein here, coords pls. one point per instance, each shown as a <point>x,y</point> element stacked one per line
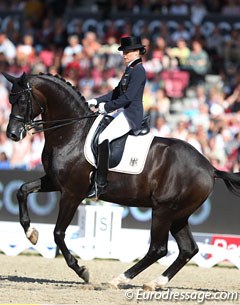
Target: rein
<point>60,123</point>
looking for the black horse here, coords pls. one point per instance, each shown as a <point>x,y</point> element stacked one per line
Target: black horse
<point>175,181</point>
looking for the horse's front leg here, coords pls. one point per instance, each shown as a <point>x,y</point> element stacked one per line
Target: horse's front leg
<point>43,184</point>
<point>67,208</point>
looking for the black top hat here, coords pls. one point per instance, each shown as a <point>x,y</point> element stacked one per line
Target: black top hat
<point>130,43</point>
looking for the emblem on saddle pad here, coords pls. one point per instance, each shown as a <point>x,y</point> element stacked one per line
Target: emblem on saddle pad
<point>133,161</point>
<point>134,155</point>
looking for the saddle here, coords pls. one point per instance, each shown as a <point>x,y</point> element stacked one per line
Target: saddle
<point>116,146</point>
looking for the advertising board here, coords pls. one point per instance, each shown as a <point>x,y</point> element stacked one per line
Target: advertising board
<point>219,214</point>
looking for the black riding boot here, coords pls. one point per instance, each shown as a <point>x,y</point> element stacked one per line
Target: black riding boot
<point>100,182</point>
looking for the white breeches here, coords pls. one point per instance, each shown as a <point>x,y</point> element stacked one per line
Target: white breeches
<point>117,128</point>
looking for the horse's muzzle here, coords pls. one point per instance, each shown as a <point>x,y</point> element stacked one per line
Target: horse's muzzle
<point>16,134</point>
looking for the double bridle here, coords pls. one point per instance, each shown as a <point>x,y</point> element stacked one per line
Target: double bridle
<point>29,122</point>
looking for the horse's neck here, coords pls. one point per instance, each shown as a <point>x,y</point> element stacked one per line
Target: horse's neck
<point>62,102</point>
<point>60,99</point>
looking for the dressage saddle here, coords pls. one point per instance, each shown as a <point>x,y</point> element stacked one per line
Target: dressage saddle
<point>117,145</point>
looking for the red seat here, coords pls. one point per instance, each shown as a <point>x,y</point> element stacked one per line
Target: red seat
<point>175,82</point>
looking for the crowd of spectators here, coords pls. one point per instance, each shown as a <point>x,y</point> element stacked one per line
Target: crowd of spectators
<point>193,83</point>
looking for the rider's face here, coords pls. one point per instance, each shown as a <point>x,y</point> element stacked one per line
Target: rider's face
<point>130,55</point>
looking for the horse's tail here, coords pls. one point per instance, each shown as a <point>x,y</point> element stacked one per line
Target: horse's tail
<point>232,180</point>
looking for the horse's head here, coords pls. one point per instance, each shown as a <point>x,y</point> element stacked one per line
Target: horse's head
<point>22,112</point>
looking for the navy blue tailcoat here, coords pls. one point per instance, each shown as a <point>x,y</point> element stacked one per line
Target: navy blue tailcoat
<point>128,95</point>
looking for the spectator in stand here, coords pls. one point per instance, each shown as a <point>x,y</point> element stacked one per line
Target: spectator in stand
<point>160,106</point>
<point>193,140</point>
<point>159,52</point>
<point>6,145</point>
<point>91,46</point>
<point>180,52</point>
<point>4,101</point>
<point>37,144</point>
<point>4,162</point>
<point>162,102</point>
<point>110,52</point>
<point>181,130</point>
<point>21,155</point>
<point>152,62</point>
<point>25,52</point>
<point>197,63</point>
<point>232,47</point>
<point>218,104</point>
<point>72,71</point>
<point>7,47</point>
<point>161,127</point>
<point>201,117</point>
<point>234,100</point>
<point>73,50</point>
<point>216,153</point>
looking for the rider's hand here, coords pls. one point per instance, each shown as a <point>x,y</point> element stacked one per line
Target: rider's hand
<point>92,103</point>
<point>101,108</point>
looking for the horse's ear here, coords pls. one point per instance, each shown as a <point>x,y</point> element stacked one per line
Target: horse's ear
<point>23,79</point>
<point>9,77</point>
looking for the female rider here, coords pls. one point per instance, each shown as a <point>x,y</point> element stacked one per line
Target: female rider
<point>126,100</point>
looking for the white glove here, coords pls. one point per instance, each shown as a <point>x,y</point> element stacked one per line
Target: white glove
<point>92,102</point>
<point>101,108</point>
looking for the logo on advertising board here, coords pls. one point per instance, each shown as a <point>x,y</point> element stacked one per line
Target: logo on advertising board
<point>228,242</point>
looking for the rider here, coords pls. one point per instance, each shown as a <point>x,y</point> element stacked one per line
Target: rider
<point>126,99</point>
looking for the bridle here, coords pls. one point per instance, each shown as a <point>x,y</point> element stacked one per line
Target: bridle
<point>29,122</point>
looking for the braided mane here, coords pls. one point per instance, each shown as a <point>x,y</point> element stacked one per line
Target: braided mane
<point>57,76</point>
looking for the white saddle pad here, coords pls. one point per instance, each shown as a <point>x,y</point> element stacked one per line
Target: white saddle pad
<point>134,155</point>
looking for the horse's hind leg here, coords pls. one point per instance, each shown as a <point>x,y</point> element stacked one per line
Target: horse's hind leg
<point>187,249</point>
<point>43,184</point>
<point>67,208</point>
<point>158,248</point>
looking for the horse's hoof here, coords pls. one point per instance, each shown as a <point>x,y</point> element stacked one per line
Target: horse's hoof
<point>149,286</point>
<point>121,279</point>
<point>85,274</point>
<point>32,235</point>
<point>160,282</point>
<point>112,284</point>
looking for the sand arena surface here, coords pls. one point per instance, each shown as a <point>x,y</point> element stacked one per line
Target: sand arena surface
<point>33,279</point>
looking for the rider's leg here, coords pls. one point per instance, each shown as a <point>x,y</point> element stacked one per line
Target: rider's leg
<point>100,182</point>
<point>117,128</point>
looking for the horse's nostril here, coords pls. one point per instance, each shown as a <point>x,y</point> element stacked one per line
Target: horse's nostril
<point>12,136</point>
